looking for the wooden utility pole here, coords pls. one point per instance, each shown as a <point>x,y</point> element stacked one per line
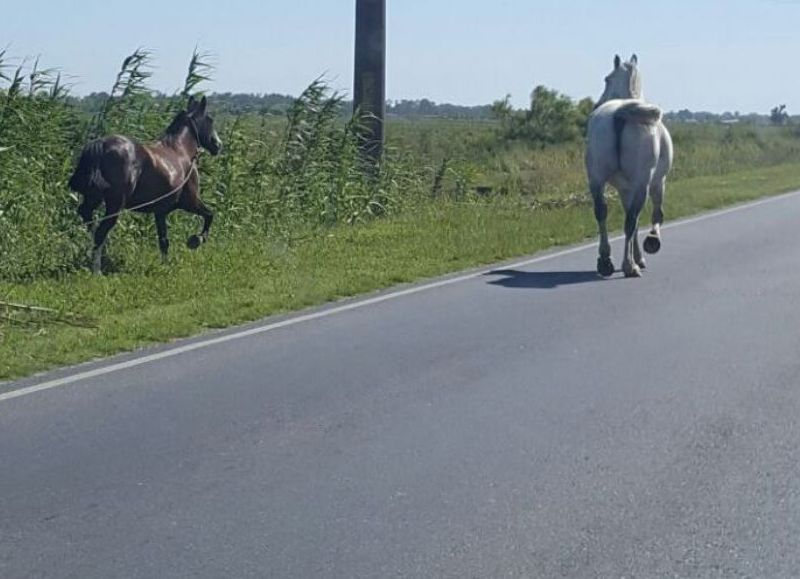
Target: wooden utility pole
<point>369,92</point>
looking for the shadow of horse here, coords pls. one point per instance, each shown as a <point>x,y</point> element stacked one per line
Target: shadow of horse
<point>542,279</point>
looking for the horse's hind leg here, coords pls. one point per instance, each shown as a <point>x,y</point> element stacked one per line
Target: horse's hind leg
<point>200,208</point>
<point>638,196</point>
<point>605,266</point>
<point>101,233</point>
<point>652,244</point>
<point>87,208</point>
<point>163,239</point>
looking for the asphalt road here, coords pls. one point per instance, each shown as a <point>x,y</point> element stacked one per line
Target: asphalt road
<point>534,422</point>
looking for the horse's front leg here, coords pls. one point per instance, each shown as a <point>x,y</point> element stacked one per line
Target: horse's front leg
<point>190,201</point>
<point>200,208</point>
<point>605,266</point>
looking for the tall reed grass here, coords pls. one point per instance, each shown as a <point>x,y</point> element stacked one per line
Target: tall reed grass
<point>271,180</point>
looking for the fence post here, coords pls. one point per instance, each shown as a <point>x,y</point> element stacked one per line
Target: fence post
<point>369,92</point>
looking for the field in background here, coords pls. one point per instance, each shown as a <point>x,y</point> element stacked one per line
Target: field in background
<point>298,223</point>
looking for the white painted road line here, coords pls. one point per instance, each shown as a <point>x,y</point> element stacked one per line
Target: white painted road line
<point>301,319</point>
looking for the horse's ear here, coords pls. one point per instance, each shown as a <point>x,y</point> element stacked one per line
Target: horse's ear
<point>192,104</point>
<point>617,62</point>
<point>202,107</point>
<point>635,60</point>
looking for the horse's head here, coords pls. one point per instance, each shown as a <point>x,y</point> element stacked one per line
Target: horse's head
<point>624,82</point>
<point>203,123</point>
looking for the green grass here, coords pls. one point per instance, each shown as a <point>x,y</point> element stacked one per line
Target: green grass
<point>235,280</point>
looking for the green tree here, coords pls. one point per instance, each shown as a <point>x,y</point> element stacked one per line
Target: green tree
<point>778,116</point>
<point>551,119</point>
<point>502,109</point>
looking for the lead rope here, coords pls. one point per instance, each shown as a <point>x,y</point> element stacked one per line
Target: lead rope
<point>192,169</point>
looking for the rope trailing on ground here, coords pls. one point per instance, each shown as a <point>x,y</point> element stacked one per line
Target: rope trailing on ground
<point>55,316</point>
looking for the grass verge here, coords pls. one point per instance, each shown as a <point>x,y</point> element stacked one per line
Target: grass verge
<point>244,280</point>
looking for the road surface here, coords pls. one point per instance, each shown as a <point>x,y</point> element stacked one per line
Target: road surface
<point>532,422</point>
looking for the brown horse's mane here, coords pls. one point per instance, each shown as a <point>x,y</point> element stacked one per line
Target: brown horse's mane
<point>180,122</point>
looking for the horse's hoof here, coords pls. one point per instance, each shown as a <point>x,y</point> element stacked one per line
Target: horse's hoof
<point>605,267</point>
<point>632,271</point>
<point>642,263</point>
<point>194,242</point>
<point>652,244</point>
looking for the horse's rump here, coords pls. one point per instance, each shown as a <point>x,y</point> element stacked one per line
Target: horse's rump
<point>637,112</point>
<point>88,175</point>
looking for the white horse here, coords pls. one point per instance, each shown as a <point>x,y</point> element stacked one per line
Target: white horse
<point>629,147</point>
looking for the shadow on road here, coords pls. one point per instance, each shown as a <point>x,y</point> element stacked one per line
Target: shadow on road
<point>542,279</point>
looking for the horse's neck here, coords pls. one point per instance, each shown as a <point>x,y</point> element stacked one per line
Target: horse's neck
<point>182,140</point>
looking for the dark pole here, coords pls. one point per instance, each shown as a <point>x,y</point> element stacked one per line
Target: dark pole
<point>369,93</point>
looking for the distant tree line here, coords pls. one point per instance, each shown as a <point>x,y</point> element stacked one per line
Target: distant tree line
<point>224,103</point>
<point>777,116</point>
<point>544,103</point>
<point>426,108</point>
<point>279,104</point>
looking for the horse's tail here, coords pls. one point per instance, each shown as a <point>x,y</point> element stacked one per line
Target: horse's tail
<point>88,175</point>
<point>639,113</point>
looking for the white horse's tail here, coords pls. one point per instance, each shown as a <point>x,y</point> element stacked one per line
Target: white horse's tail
<point>638,112</point>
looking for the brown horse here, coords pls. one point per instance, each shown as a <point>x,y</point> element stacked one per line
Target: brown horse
<point>155,178</point>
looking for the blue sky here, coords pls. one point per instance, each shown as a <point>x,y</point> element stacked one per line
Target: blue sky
<point>701,54</point>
